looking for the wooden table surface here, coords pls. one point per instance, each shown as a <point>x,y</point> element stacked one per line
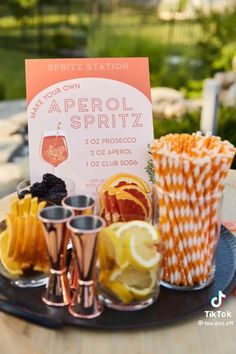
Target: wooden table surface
<point>20,337</point>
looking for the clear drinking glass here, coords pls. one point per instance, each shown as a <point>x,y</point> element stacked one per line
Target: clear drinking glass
<point>30,278</point>
<point>25,262</point>
<point>129,271</point>
<point>190,230</point>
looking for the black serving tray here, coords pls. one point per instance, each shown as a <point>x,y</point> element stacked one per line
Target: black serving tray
<point>170,307</point>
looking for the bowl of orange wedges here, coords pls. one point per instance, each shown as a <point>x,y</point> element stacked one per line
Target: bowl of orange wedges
<point>23,256</point>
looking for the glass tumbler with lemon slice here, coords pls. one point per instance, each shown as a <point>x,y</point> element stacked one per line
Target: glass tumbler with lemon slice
<point>129,261</point>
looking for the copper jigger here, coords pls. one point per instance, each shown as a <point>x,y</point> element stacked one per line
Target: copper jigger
<point>54,219</point>
<point>84,231</point>
<point>81,205</point>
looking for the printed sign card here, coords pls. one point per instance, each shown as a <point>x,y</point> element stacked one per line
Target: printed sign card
<point>88,118</point>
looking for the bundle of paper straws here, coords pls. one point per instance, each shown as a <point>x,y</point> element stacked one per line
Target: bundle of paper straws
<point>190,172</point>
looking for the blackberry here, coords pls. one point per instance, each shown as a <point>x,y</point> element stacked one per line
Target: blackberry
<point>58,188</point>
<point>51,188</point>
<point>39,189</point>
<point>51,180</point>
<point>57,197</point>
<point>35,185</point>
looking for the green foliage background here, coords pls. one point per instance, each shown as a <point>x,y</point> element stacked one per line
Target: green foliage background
<point>181,53</point>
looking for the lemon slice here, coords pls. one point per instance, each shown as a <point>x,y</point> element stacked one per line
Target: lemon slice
<point>115,226</point>
<point>140,239</point>
<point>103,276</point>
<point>139,227</point>
<point>12,266</point>
<point>139,283</point>
<point>110,249</point>
<point>120,290</point>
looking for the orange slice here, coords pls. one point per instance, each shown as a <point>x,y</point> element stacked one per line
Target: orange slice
<point>130,207</point>
<point>121,179</point>
<point>19,237</point>
<point>14,206</point>
<point>12,266</point>
<point>11,221</point>
<point>24,205</point>
<point>105,206</point>
<point>140,195</point>
<point>114,207</point>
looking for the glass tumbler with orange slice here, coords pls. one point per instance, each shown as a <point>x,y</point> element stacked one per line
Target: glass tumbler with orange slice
<point>129,261</point>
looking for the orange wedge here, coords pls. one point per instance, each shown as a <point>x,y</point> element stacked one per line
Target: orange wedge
<point>14,206</point>
<point>22,245</point>
<point>11,221</point>
<point>12,266</point>
<point>24,205</point>
<point>130,207</point>
<point>140,195</point>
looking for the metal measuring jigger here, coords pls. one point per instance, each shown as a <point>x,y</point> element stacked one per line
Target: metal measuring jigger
<point>54,219</point>
<point>81,204</point>
<point>84,231</point>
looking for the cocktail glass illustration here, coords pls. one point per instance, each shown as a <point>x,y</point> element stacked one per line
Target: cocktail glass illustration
<point>54,149</point>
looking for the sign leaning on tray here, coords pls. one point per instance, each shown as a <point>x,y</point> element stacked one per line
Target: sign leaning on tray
<point>88,118</point>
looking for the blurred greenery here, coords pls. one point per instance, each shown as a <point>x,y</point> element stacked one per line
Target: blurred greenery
<point>21,8</point>
<point>121,33</point>
<point>201,46</point>
<point>218,46</point>
<point>13,74</point>
<point>190,123</point>
<point>153,43</point>
<point>2,90</point>
<point>181,53</point>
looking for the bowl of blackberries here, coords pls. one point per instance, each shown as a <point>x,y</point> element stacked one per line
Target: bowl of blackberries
<point>47,187</point>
